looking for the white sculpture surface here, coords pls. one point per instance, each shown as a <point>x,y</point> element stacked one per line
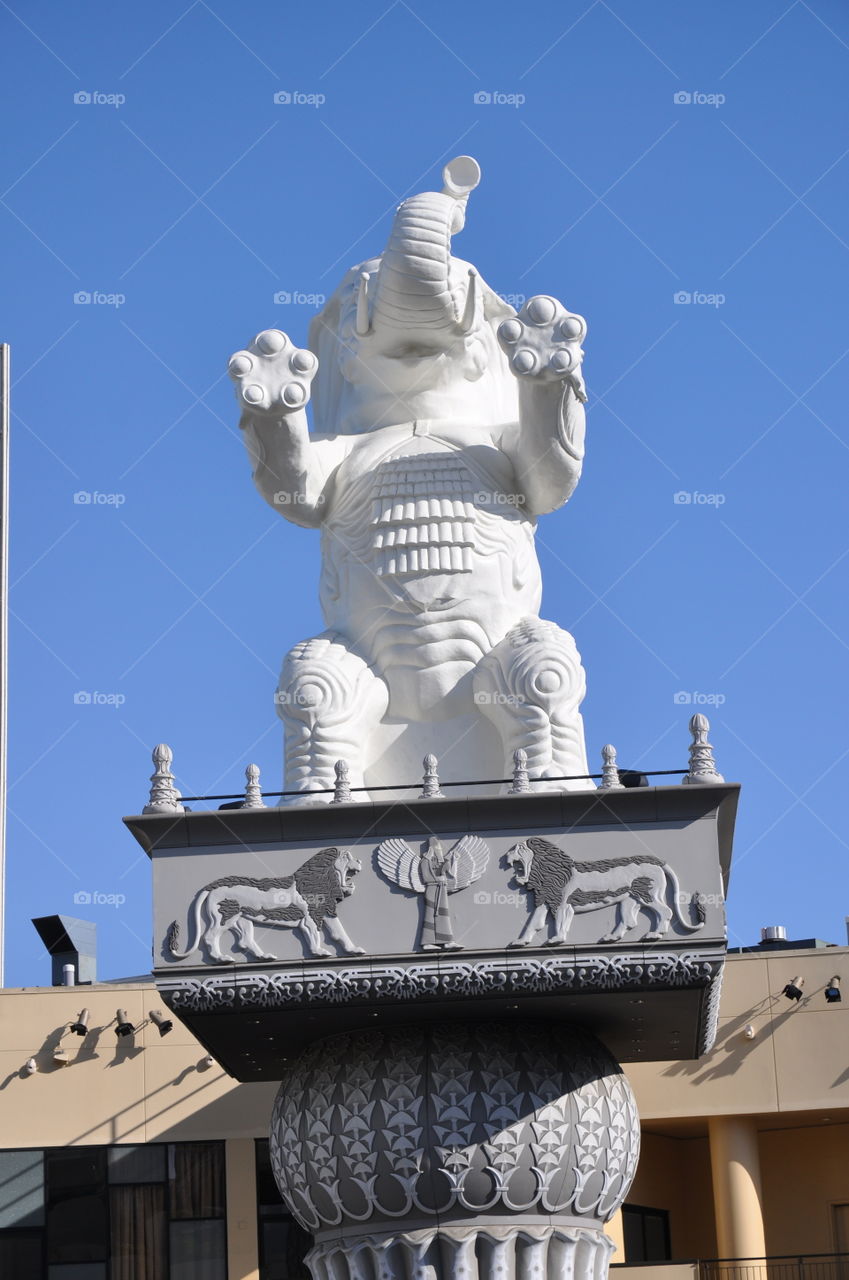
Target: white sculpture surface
<point>446,424</point>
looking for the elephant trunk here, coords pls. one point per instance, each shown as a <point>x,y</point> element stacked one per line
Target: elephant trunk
<point>414,292</point>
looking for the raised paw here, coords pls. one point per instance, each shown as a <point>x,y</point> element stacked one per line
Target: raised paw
<point>272,376</point>
<point>544,341</point>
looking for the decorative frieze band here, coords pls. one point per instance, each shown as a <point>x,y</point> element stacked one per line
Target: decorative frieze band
<point>445,978</point>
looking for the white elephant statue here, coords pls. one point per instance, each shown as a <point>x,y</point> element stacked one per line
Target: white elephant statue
<point>446,424</point>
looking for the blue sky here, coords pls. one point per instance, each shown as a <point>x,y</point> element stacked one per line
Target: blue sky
<point>631,153</point>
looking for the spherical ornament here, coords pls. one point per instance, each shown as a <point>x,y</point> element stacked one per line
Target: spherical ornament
<point>510,331</point>
<point>253,394</point>
<point>302,361</point>
<point>561,361</point>
<point>542,310</point>
<point>293,394</point>
<point>571,328</point>
<point>524,361</point>
<point>453,1121</point>
<point>240,365</point>
<point>271,341</point>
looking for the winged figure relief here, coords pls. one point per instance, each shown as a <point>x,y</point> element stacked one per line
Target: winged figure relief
<point>434,874</point>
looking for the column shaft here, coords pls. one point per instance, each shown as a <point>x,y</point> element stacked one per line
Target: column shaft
<point>737,1195</point>
<point>242,1245</point>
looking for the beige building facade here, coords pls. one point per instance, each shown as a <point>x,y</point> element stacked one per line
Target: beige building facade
<point>745,1153</point>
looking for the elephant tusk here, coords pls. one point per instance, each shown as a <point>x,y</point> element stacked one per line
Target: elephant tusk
<point>363,322</point>
<point>467,323</point>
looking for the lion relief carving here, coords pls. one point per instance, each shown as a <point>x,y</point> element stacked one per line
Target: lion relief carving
<point>561,887</point>
<point>306,901</point>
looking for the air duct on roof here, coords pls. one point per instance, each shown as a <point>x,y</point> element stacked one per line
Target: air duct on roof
<point>70,942</point>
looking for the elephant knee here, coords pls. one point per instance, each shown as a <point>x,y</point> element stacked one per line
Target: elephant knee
<point>536,665</point>
<point>323,681</point>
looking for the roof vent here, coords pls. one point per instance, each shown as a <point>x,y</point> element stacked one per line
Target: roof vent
<point>72,944</point>
<point>774,933</point>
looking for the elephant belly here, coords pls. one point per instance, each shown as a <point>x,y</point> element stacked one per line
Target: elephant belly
<point>426,566</point>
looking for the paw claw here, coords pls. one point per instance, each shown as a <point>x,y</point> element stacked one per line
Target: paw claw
<point>272,376</point>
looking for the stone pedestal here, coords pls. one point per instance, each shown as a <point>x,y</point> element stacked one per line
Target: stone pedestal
<point>493,1150</point>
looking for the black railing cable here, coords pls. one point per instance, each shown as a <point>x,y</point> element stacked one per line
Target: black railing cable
<point>466,782</point>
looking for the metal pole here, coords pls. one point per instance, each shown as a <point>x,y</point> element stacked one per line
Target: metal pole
<point>5,354</point>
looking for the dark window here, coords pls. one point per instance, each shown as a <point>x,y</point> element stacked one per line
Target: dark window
<point>646,1234</point>
<point>137,1164</point>
<point>21,1255</point>
<point>196,1174</point>
<point>152,1212</point>
<point>77,1217</point>
<point>282,1242</point>
<point>198,1251</point>
<point>21,1189</point>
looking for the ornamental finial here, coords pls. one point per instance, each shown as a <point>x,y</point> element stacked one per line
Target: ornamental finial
<point>342,787</point>
<point>702,763</point>
<point>164,796</point>
<point>610,770</point>
<point>253,791</point>
<point>430,789</point>
<point>521,783</point>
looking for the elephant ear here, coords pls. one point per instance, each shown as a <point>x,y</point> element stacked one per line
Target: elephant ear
<point>333,339</point>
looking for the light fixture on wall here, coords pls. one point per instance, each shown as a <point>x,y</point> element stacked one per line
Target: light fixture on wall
<point>163,1024</point>
<point>832,991</point>
<point>80,1027</point>
<point>31,1066</point>
<point>793,990</point>
<point>749,1031</point>
<point>124,1027</point>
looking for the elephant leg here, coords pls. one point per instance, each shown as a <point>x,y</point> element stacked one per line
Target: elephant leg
<point>530,686</point>
<point>329,700</point>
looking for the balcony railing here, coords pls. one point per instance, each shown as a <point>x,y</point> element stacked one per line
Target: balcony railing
<point>792,1266</point>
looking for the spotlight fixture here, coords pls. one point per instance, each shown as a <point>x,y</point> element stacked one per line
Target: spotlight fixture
<point>749,1031</point>
<point>80,1027</point>
<point>793,990</point>
<point>832,991</point>
<point>31,1066</point>
<point>124,1027</point>
<point>163,1024</point>
<point>207,1062</point>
